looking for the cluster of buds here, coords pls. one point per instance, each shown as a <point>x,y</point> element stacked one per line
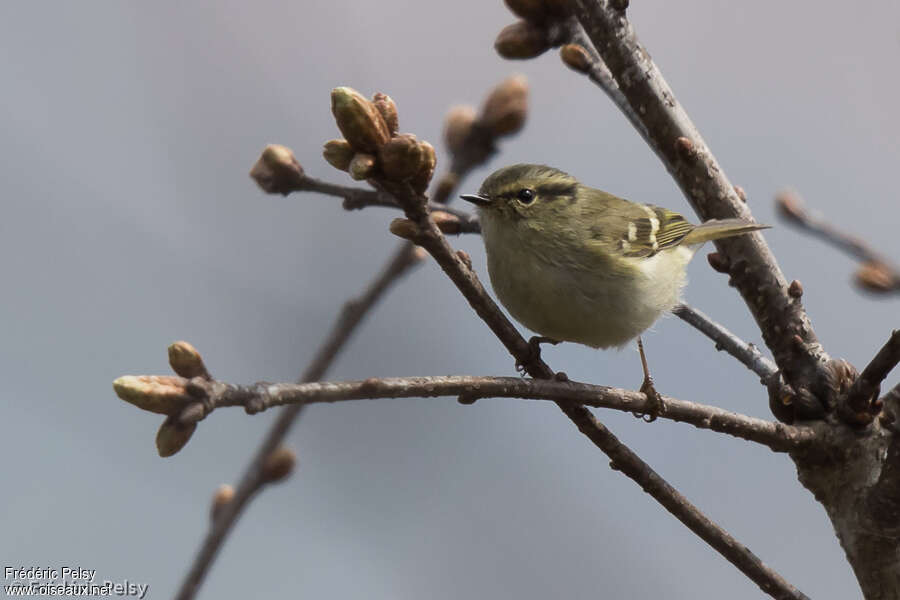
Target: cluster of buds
<point>168,395</point>
<point>372,147</point>
<point>503,113</point>
<point>531,36</point>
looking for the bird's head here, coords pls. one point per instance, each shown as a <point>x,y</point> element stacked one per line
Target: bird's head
<point>532,192</point>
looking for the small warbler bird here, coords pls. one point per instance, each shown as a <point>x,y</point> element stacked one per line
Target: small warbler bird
<point>573,263</point>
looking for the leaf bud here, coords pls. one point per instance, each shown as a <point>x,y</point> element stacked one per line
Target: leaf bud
<point>790,206</point>
<point>506,107</point>
<point>338,153</point>
<point>530,10</point>
<point>359,120</point>
<point>279,464</point>
<point>875,276</point>
<point>186,361</point>
<point>446,222</point>
<point>162,394</point>
<point>173,435</point>
<point>388,109</point>
<point>522,40</point>
<point>277,171</point>
<point>401,157</point>
<point>405,228</point>
<point>457,126</point>
<point>362,166</point>
<point>422,178</point>
<point>576,57</point>
<point>223,496</point>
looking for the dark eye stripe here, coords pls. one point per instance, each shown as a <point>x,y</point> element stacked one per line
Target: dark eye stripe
<point>549,190</point>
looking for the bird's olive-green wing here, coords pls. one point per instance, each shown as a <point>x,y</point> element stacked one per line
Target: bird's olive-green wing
<point>631,229</point>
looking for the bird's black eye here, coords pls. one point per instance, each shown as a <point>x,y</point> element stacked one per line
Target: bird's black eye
<point>525,196</point>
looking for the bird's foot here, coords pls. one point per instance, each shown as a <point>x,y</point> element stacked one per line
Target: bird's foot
<point>534,352</point>
<point>655,405</point>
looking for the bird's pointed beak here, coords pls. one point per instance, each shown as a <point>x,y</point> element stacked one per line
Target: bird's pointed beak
<point>476,199</point>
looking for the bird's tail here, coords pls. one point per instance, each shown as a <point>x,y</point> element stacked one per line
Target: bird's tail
<point>720,228</point>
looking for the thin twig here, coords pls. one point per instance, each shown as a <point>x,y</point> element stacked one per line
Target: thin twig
<point>477,148</point>
<point>865,389</point>
<point>599,73</point>
<point>252,480</point>
<point>747,353</point>
<point>622,458</point>
<point>263,396</point>
<point>877,272</point>
<point>359,198</point>
<point>354,197</point>
<point>673,136</point>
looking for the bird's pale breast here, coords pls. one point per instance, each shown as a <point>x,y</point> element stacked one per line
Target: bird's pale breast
<point>551,287</point>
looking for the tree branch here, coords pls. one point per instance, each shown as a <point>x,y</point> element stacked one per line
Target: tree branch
<point>747,353</point>
<point>622,458</point>
<point>753,269</point>
<point>264,396</point>
<point>359,198</point>
<point>866,387</point>
<point>252,480</point>
<point>476,147</point>
<point>876,273</point>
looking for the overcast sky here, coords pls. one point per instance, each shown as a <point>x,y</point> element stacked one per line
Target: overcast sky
<point>129,222</point>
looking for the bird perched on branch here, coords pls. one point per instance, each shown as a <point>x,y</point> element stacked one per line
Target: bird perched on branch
<point>573,263</point>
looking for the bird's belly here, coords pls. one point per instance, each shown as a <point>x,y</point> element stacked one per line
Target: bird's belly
<point>583,306</point>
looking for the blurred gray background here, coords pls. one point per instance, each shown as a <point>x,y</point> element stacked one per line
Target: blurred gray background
<point>129,221</point>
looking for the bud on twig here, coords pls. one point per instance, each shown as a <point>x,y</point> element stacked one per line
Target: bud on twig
<point>186,361</point>
<point>522,40</point>
<point>576,57</point>
<point>530,10</point>
<point>422,178</point>
<point>446,222</point>
<point>405,228</point>
<point>338,153</point>
<point>362,166</point>
<point>359,120</point>
<point>465,258</point>
<point>172,436</point>
<point>223,496</point>
<point>506,107</point>
<point>279,464</point>
<point>877,277</point>
<point>388,109</point>
<point>790,205</point>
<point>719,262</point>
<point>457,126</point>
<point>685,147</point>
<point>401,157</point>
<point>277,171</point>
<point>537,11</point>
<point>161,394</point>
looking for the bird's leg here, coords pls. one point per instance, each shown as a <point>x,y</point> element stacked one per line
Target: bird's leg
<point>534,352</point>
<point>655,406</point>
